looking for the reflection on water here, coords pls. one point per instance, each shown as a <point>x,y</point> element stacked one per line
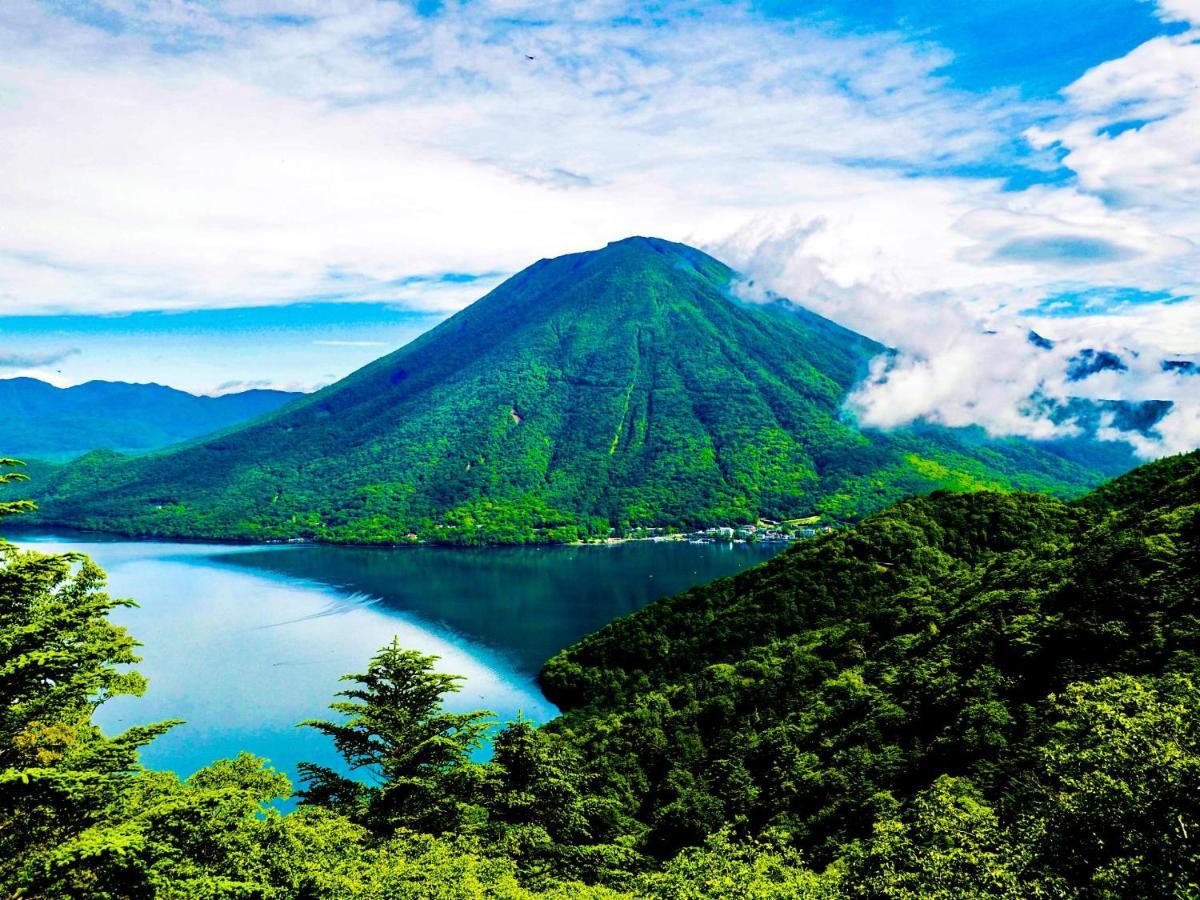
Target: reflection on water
<point>244,642</point>
<point>526,602</point>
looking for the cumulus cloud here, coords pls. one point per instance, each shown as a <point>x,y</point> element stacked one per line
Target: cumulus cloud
<point>1013,386</point>
<point>957,286</point>
<point>238,153</point>
<point>242,152</point>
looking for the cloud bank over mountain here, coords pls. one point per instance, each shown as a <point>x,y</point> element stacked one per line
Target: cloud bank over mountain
<point>1104,263</point>
<point>252,152</point>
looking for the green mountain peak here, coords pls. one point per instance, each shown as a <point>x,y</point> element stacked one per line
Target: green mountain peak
<point>611,389</point>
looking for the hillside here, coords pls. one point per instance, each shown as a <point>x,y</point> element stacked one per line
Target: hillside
<point>611,389</point>
<point>981,686</point>
<point>966,695</point>
<point>42,421</point>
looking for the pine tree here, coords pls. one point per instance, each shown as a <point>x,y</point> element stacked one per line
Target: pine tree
<point>395,730</point>
<point>59,659</point>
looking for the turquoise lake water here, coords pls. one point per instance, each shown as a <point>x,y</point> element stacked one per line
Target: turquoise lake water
<point>244,642</point>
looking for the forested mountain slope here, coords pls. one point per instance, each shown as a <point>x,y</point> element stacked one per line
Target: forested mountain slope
<point>965,696</point>
<point>42,421</point>
<point>999,681</point>
<point>611,389</point>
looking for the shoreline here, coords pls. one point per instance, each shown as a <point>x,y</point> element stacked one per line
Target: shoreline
<point>724,534</point>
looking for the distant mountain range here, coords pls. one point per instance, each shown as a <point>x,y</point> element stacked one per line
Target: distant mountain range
<point>42,421</point>
<point>598,391</point>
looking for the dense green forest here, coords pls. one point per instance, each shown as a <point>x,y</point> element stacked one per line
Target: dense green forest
<point>598,391</point>
<point>966,695</point>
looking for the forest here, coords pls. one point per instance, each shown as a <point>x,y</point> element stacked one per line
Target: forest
<point>976,694</point>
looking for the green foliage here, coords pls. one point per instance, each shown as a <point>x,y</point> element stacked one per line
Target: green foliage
<point>79,817</point>
<point>394,731</point>
<point>537,783</point>
<point>58,661</point>
<point>1114,799</point>
<point>967,695</point>
<point>947,845</point>
<point>530,802</point>
<point>13,507</point>
<point>543,809</point>
<point>821,697</point>
<point>726,869</point>
<point>600,391</point>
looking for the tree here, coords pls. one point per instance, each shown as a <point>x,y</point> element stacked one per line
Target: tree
<point>538,783</point>
<point>13,507</point>
<point>396,732</point>
<point>59,659</point>
<point>724,869</point>
<point>1115,806</point>
<point>547,813</point>
<point>946,845</point>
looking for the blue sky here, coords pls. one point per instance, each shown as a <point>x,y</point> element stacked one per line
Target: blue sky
<point>217,192</point>
<point>1036,46</point>
<point>293,347</point>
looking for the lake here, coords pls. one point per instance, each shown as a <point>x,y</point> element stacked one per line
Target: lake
<point>243,642</point>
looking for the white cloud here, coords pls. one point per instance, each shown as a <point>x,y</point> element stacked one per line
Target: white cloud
<point>340,156</point>
<point>47,375</point>
<point>343,156</point>
<point>1179,10</point>
<point>19,359</point>
<point>948,280</point>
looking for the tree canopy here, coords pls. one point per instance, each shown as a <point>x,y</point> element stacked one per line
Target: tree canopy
<point>979,695</point>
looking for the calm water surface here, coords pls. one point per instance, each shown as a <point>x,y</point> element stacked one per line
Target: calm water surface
<point>244,642</point>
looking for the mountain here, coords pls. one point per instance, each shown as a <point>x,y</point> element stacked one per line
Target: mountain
<point>42,421</point>
<point>612,389</point>
<point>991,691</point>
